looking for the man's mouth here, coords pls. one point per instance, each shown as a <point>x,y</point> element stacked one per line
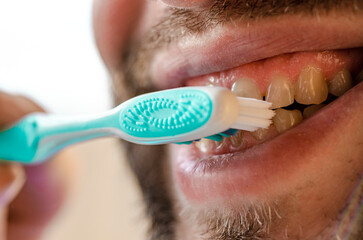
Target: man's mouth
<point>315,101</point>
<point>298,85</point>
<point>316,94</point>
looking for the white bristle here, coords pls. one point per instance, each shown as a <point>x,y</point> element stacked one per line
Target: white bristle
<point>256,112</point>
<point>251,121</point>
<point>253,114</point>
<point>244,127</point>
<point>253,103</point>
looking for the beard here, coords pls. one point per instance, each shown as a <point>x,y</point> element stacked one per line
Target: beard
<point>151,164</point>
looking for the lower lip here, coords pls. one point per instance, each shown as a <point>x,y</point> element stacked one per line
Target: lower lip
<point>269,167</point>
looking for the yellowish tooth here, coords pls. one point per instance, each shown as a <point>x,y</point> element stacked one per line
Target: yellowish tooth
<point>205,145</point>
<point>280,92</point>
<point>209,84</point>
<point>285,119</point>
<point>237,139</point>
<point>261,133</point>
<point>311,110</point>
<point>220,144</point>
<point>340,83</point>
<point>311,87</point>
<point>245,87</point>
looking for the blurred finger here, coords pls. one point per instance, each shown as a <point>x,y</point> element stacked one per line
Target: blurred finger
<point>12,178</point>
<point>14,107</point>
<point>45,186</point>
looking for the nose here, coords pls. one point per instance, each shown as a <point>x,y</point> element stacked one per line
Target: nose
<point>189,3</point>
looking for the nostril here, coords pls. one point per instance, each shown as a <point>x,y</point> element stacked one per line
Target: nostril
<point>196,4</point>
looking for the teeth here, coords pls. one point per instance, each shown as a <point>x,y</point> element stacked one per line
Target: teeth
<point>311,87</point>
<point>340,83</point>
<point>280,92</point>
<point>311,110</point>
<point>221,144</point>
<point>205,145</point>
<point>260,133</point>
<point>285,119</point>
<point>245,87</point>
<point>237,139</point>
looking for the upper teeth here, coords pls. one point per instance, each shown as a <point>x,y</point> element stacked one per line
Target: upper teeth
<point>311,87</point>
<point>280,92</point>
<point>245,87</point>
<point>340,83</point>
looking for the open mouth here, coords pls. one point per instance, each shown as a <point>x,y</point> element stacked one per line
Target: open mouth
<point>317,95</point>
<point>315,105</point>
<point>306,83</point>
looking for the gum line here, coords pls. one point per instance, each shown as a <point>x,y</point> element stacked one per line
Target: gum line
<point>261,72</point>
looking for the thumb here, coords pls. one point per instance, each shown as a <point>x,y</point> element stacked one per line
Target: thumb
<point>12,179</point>
<point>46,184</point>
<point>14,107</point>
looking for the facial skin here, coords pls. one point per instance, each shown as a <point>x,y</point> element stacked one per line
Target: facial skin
<point>303,184</point>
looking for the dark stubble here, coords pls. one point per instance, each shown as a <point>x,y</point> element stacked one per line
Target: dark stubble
<point>149,162</point>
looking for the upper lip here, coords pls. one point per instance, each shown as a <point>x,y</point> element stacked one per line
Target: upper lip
<point>234,45</point>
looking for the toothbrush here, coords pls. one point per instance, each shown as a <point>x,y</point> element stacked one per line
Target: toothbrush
<point>180,115</point>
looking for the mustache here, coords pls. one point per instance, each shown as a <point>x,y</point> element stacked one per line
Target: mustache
<point>181,22</point>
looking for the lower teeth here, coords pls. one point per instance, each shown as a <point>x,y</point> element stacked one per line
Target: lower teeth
<point>205,145</point>
<point>237,140</point>
<point>286,119</point>
<point>261,133</point>
<point>311,110</point>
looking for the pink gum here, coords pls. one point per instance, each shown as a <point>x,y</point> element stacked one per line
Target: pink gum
<point>329,62</point>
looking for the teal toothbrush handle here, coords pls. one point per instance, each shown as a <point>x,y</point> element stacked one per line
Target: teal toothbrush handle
<point>39,136</point>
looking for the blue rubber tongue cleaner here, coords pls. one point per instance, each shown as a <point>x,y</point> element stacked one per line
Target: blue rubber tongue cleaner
<point>154,118</point>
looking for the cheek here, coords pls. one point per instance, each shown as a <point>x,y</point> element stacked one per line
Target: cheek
<point>113,22</point>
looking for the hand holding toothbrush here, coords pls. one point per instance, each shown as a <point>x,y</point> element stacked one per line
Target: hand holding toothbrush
<point>23,188</point>
<point>180,115</point>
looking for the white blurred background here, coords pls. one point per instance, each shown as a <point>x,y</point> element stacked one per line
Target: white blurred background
<point>47,53</point>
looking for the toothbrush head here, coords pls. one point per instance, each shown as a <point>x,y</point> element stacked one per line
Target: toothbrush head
<point>166,113</point>
<point>184,115</point>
